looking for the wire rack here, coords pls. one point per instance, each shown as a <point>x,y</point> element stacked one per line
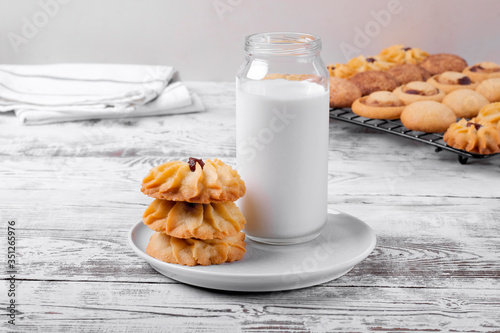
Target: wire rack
<point>396,127</point>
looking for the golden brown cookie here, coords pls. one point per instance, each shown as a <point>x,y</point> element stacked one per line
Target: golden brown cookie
<point>343,93</point>
<point>192,252</point>
<point>490,89</point>
<point>442,62</point>
<point>483,71</point>
<point>450,81</point>
<point>473,136</point>
<point>428,116</point>
<point>465,103</point>
<point>407,73</point>
<point>399,54</point>
<point>371,81</point>
<point>418,91</point>
<point>196,182</point>
<point>378,105</point>
<point>189,220</point>
<point>490,113</point>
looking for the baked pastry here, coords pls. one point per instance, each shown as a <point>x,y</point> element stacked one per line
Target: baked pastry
<point>371,81</point>
<point>443,62</point>
<point>465,103</point>
<point>490,113</point>
<point>490,89</point>
<point>192,252</point>
<point>341,70</point>
<point>418,91</point>
<point>483,71</point>
<point>428,116</point>
<point>343,92</point>
<point>450,81</point>
<point>189,220</point>
<point>407,73</point>
<point>196,182</point>
<point>473,136</point>
<point>378,105</point>
<point>399,54</point>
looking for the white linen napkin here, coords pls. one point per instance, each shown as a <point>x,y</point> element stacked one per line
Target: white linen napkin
<point>41,94</point>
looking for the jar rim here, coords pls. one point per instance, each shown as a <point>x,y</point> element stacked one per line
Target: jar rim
<point>282,43</point>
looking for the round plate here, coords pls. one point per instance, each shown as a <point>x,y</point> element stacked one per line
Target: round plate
<point>344,242</point>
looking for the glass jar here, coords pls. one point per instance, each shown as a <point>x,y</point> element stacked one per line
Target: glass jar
<point>282,105</point>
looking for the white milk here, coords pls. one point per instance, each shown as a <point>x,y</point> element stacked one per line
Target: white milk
<point>282,155</point>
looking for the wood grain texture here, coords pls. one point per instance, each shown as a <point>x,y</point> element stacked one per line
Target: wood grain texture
<point>74,190</point>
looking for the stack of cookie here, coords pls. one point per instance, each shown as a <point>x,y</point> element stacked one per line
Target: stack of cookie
<point>193,214</point>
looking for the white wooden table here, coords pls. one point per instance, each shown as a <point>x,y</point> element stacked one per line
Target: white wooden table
<point>73,190</point>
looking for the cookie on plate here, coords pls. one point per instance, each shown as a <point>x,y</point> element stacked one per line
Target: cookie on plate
<point>371,81</point>
<point>378,105</point>
<point>192,252</point>
<point>490,89</point>
<point>418,91</point>
<point>443,62</point>
<point>407,73</point>
<point>194,181</point>
<point>490,113</point>
<point>428,116</point>
<point>450,81</point>
<point>473,136</point>
<point>400,54</point>
<point>343,92</point>
<point>465,103</point>
<point>483,71</point>
<point>190,220</point>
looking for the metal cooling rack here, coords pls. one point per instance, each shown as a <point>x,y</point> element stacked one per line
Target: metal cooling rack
<point>396,127</point>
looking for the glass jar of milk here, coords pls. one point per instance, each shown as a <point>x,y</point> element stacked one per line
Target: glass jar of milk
<point>282,104</point>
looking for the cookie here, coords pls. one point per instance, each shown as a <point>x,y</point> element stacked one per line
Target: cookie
<point>465,103</point>
<point>408,73</point>
<point>474,136</point>
<point>428,116</point>
<point>483,71</point>
<point>490,89</point>
<point>490,113</point>
<point>192,252</point>
<point>378,105</point>
<point>343,93</point>
<point>442,62</point>
<point>196,182</point>
<point>189,220</point>
<point>450,81</point>
<point>371,81</point>
<point>400,54</point>
<point>418,91</point>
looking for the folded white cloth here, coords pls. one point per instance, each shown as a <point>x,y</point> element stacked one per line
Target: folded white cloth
<point>41,94</point>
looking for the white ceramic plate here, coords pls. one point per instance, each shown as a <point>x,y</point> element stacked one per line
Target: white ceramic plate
<point>344,242</point>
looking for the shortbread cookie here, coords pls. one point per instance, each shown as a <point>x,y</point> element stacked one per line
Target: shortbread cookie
<point>378,105</point>
<point>473,136</point>
<point>406,73</point>
<point>442,62</point>
<point>196,182</point>
<point>490,113</point>
<point>483,71</point>
<point>371,81</point>
<point>190,220</point>
<point>418,91</point>
<point>451,81</point>
<point>465,103</point>
<point>490,89</point>
<point>428,116</point>
<point>192,252</point>
<point>400,54</point>
<point>343,92</point>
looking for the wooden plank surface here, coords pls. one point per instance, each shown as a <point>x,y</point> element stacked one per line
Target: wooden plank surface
<point>74,190</point>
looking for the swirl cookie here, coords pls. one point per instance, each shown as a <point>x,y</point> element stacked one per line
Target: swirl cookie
<point>192,252</point>
<point>408,73</point>
<point>371,81</point>
<point>188,220</point>
<point>483,71</point>
<point>450,81</point>
<point>473,136</point>
<point>491,114</point>
<point>442,62</point>
<point>196,182</point>
<point>428,116</point>
<point>418,91</point>
<point>490,89</point>
<point>465,103</point>
<point>343,93</point>
<point>399,54</point>
<point>378,105</point>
